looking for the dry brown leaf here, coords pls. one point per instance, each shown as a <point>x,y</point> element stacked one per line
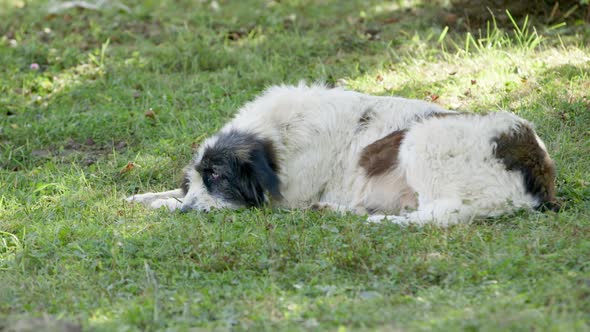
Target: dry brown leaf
<point>391,20</point>
<point>129,167</point>
<point>150,114</point>
<point>432,97</point>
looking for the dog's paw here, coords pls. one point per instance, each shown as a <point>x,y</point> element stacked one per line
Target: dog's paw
<point>379,218</point>
<point>376,218</point>
<point>172,204</point>
<point>141,198</point>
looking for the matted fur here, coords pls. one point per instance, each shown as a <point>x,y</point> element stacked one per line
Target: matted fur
<point>398,159</point>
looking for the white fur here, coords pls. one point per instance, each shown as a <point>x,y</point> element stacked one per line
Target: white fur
<point>446,172</point>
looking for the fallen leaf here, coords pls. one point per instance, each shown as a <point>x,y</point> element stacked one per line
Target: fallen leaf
<point>434,255</point>
<point>214,5</point>
<point>130,166</point>
<point>390,20</point>
<point>473,82</point>
<point>120,145</point>
<point>311,324</point>
<point>450,19</point>
<point>236,34</point>
<point>71,144</point>
<point>432,97</point>
<point>41,154</point>
<point>150,114</point>
<point>89,161</point>
<point>329,228</point>
<point>379,78</point>
<point>368,295</point>
<point>373,34</point>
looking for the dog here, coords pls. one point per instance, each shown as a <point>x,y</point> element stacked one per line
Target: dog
<point>403,160</point>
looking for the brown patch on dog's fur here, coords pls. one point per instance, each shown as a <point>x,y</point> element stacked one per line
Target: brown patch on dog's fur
<point>519,150</point>
<point>382,155</point>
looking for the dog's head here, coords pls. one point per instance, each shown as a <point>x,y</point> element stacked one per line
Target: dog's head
<point>231,170</point>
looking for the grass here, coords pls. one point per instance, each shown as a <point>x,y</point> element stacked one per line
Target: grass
<point>142,87</point>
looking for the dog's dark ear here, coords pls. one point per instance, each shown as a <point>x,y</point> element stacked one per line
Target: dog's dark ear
<point>258,175</point>
<point>265,172</point>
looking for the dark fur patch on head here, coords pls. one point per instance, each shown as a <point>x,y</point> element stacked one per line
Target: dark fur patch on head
<point>239,168</point>
<point>382,155</point>
<point>519,150</point>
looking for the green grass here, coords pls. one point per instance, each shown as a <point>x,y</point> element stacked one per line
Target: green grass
<point>71,250</point>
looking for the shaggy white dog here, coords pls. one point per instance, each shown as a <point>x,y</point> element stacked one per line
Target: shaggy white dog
<point>398,159</point>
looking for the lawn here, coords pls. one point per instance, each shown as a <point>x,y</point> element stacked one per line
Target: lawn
<point>98,104</point>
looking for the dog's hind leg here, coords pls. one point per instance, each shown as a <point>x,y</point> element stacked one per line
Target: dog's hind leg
<point>443,212</point>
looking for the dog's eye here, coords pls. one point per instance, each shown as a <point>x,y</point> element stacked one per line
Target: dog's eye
<point>211,174</point>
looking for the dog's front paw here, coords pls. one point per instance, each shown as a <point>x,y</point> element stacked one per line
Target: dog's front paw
<point>379,218</point>
<point>376,218</point>
<point>141,198</point>
<point>172,204</point>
